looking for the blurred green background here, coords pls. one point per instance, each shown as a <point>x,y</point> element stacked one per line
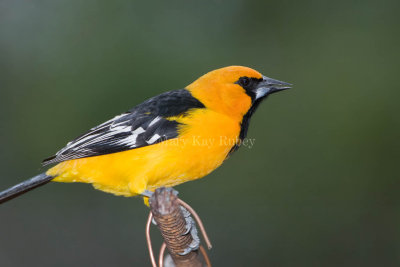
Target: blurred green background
<point>319,188</point>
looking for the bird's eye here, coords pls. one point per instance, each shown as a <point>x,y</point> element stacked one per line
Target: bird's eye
<point>244,81</point>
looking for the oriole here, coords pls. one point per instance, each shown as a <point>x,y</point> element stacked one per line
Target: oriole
<point>167,140</point>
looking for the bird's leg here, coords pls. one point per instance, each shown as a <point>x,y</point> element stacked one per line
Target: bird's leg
<point>147,193</point>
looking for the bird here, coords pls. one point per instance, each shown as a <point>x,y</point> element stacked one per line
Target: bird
<point>175,137</point>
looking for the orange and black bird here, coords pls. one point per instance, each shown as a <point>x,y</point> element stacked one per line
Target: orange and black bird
<point>167,140</point>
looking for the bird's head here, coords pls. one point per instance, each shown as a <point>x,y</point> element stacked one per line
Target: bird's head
<point>234,90</point>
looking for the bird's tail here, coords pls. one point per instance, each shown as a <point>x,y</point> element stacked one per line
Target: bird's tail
<point>24,187</point>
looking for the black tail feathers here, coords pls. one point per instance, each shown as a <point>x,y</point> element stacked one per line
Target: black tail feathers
<point>24,187</point>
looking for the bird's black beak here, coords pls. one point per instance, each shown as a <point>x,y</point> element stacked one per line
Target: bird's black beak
<point>276,85</point>
<point>269,86</point>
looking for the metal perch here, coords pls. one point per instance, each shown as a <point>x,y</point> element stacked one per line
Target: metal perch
<point>172,216</point>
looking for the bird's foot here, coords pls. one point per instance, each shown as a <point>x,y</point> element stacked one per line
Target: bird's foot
<point>192,230</point>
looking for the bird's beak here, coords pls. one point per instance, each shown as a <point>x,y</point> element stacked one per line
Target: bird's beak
<point>269,86</point>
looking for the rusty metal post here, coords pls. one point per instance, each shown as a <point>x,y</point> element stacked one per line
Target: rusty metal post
<point>169,218</point>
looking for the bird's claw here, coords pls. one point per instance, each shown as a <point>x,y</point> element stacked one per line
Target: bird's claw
<point>194,245</point>
<point>190,228</point>
<point>189,220</point>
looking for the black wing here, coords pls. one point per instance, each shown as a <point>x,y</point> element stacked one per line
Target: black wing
<point>144,125</point>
